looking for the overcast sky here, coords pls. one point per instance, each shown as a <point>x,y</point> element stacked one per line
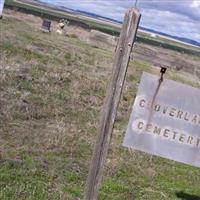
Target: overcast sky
<point>176,17</point>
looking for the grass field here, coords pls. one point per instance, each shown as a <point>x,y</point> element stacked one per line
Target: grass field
<point>52,88</point>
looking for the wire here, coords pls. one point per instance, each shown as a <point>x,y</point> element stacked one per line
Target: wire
<point>136,1</point>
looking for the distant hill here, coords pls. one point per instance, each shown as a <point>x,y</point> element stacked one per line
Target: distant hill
<point>89,14</point>
<point>182,39</point>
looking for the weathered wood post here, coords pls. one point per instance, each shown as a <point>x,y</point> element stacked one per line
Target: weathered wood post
<point>121,61</point>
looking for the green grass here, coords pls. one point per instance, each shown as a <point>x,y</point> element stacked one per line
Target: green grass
<point>52,88</point>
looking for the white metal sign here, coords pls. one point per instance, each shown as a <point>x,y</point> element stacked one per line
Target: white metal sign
<point>1,6</point>
<point>165,120</point>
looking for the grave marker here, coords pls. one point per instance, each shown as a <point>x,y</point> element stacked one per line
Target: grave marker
<point>46,25</point>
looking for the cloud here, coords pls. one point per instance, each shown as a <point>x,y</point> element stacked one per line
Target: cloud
<point>175,24</point>
<point>195,4</point>
<point>185,7</point>
<point>180,18</point>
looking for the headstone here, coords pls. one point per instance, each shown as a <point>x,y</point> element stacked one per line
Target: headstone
<point>165,120</point>
<point>46,25</point>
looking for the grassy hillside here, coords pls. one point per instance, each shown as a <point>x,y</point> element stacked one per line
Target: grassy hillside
<point>89,23</point>
<point>50,13</point>
<point>52,88</point>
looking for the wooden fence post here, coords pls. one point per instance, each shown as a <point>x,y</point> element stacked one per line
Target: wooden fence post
<point>107,119</point>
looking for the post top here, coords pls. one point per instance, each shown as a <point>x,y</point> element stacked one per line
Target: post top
<point>135,10</point>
